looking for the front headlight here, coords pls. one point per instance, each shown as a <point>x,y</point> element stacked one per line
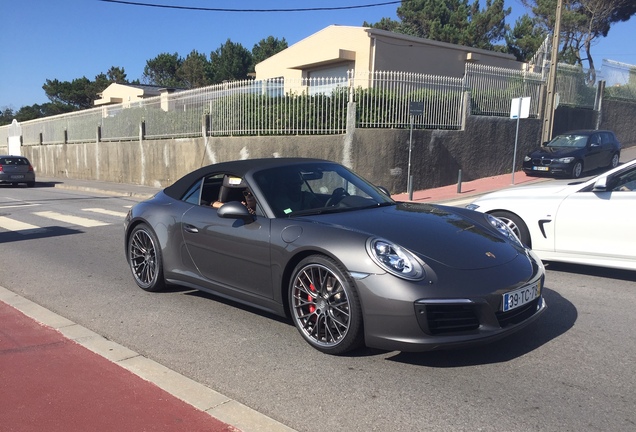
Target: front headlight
<point>394,259</point>
<point>565,160</point>
<point>527,158</point>
<point>504,229</point>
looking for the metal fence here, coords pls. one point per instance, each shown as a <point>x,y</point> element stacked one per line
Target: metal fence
<point>620,80</point>
<point>383,98</point>
<point>279,107</point>
<point>493,88</point>
<point>572,87</point>
<point>309,106</point>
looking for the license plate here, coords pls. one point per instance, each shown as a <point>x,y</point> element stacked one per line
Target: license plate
<point>521,296</point>
<point>15,177</point>
<point>536,168</point>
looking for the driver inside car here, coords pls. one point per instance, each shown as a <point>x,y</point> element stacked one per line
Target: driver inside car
<point>249,202</point>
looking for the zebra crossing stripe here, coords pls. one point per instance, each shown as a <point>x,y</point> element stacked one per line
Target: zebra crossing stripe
<point>18,226</point>
<point>106,212</point>
<point>74,220</point>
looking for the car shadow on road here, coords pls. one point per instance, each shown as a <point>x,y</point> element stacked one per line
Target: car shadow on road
<point>558,318</point>
<point>603,272</point>
<point>36,233</point>
<point>231,303</point>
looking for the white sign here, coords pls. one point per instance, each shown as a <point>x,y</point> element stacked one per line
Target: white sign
<point>520,108</point>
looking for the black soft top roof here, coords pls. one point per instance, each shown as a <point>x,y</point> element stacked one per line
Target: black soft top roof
<point>239,168</point>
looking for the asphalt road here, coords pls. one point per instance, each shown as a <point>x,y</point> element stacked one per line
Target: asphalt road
<point>572,371</point>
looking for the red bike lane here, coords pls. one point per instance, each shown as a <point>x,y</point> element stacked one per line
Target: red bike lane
<point>51,383</point>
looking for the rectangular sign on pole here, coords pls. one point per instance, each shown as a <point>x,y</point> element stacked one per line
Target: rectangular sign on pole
<point>416,108</point>
<point>520,108</point>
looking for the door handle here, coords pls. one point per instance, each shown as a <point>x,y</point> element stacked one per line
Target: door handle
<point>190,228</point>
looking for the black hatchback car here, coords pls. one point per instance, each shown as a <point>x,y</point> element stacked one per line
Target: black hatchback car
<point>573,153</point>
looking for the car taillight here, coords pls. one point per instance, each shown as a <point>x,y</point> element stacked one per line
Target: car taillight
<point>1,170</point>
<point>30,168</point>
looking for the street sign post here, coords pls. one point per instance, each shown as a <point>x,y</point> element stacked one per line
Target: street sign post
<point>415,108</point>
<point>519,108</point>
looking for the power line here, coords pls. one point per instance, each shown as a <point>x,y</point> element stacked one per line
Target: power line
<point>248,10</point>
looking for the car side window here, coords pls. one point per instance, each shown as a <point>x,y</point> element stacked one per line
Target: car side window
<point>193,194</point>
<point>606,138</point>
<point>595,139</point>
<point>625,182</point>
<point>211,187</point>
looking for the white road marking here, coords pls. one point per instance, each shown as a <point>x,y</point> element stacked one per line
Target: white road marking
<point>75,220</point>
<point>106,212</point>
<point>18,226</point>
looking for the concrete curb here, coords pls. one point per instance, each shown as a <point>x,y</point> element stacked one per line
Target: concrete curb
<point>199,396</point>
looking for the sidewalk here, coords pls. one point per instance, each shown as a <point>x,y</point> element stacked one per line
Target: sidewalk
<point>464,193</point>
<point>57,376</point>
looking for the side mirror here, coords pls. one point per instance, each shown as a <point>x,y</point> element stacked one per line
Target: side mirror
<point>384,190</point>
<point>600,185</point>
<point>234,210</point>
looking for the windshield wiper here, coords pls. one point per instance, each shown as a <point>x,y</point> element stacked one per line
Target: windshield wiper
<point>336,209</point>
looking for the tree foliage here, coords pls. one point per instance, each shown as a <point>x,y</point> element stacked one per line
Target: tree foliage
<point>525,38</point>
<point>453,21</point>
<point>194,70</point>
<point>582,22</point>
<point>66,96</point>
<point>116,75</point>
<point>266,48</point>
<point>230,62</point>
<point>162,70</point>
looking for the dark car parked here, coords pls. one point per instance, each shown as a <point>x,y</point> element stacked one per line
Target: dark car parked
<point>16,169</point>
<point>573,153</point>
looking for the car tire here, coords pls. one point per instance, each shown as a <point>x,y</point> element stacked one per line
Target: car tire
<point>30,184</point>
<point>516,224</point>
<point>615,159</point>
<point>577,169</point>
<point>324,305</point>
<point>144,258</point>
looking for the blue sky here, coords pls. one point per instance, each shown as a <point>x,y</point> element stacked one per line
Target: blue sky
<point>68,39</point>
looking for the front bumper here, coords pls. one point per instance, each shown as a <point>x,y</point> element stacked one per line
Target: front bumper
<point>399,316</point>
<point>547,167</point>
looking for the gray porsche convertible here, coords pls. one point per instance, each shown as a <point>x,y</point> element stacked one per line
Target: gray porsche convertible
<point>311,240</point>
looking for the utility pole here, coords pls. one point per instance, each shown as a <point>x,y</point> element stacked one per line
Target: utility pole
<point>548,113</point>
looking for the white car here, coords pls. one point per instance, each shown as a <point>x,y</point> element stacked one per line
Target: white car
<point>590,222</point>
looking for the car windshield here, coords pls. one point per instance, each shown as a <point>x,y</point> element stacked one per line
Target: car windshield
<point>571,140</point>
<point>316,188</point>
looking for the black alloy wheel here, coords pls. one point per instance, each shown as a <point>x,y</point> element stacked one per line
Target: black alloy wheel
<point>325,306</point>
<point>577,169</point>
<point>144,258</point>
<point>615,160</point>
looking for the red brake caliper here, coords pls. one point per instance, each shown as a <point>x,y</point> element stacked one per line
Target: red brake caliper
<point>312,308</point>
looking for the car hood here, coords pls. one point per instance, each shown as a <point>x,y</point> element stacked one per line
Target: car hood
<point>537,191</point>
<point>454,237</point>
<point>555,152</point>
